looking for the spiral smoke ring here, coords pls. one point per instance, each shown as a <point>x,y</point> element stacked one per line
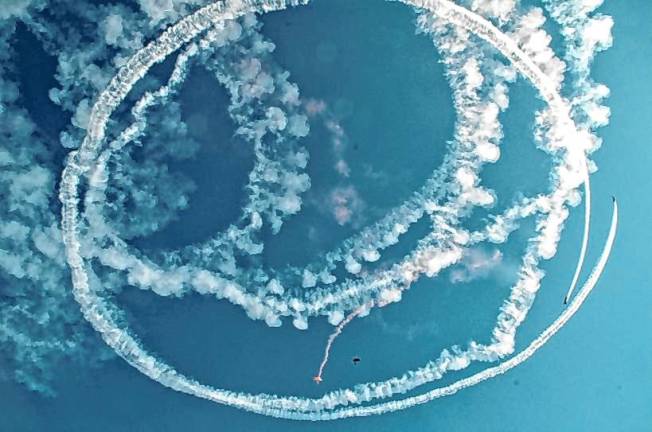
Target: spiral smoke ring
<point>565,130</point>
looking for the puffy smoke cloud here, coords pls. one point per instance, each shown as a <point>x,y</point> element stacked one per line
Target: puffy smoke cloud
<point>40,323</point>
<point>112,29</point>
<point>136,198</point>
<point>498,9</point>
<point>477,263</point>
<point>167,10</point>
<point>346,205</point>
<point>19,8</point>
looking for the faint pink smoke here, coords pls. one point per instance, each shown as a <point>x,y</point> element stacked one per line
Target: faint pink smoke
<point>315,106</point>
<point>346,204</point>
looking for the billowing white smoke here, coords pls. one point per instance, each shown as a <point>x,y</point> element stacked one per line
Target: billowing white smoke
<point>121,201</point>
<point>40,324</point>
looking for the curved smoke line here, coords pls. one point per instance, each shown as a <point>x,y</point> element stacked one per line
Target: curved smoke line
<point>425,260</point>
<point>503,367</point>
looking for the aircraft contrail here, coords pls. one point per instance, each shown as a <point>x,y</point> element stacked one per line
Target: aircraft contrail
<point>585,239</point>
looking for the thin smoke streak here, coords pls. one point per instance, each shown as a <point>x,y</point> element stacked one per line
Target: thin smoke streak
<point>331,338</point>
<point>585,237</point>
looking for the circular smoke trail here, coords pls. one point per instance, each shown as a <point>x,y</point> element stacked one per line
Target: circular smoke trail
<point>446,197</point>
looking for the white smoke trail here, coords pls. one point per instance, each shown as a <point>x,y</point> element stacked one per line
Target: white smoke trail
<point>503,367</point>
<point>434,253</point>
<point>527,67</point>
<point>334,297</point>
<point>580,48</point>
<point>585,238</point>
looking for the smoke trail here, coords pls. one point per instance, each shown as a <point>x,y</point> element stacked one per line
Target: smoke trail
<point>503,367</point>
<point>331,338</point>
<point>436,251</point>
<point>585,236</point>
<point>446,197</point>
<point>571,16</point>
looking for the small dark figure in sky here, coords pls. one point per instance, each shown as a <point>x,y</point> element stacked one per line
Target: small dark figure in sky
<point>355,360</point>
